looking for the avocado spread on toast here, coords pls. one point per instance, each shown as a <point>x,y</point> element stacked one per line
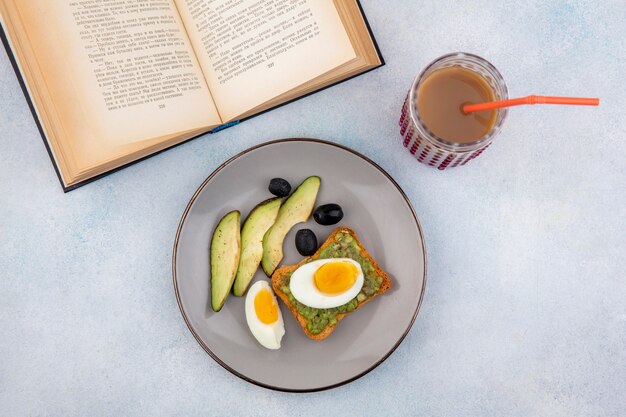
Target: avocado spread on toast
<point>345,246</point>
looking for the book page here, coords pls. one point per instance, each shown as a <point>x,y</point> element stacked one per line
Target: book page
<point>254,50</point>
<point>118,72</point>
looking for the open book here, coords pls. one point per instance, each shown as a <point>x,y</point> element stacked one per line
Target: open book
<point>113,81</point>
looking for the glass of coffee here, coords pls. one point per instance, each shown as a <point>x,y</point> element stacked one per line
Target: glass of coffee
<point>435,128</point>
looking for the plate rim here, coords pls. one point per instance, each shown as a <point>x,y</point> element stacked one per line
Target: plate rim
<point>175,280</point>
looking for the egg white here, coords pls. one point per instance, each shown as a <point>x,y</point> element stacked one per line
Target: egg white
<point>302,285</point>
<point>268,335</point>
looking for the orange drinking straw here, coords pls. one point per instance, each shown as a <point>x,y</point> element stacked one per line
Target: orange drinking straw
<point>469,108</point>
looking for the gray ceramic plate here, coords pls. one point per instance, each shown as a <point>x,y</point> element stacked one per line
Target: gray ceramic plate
<point>374,206</point>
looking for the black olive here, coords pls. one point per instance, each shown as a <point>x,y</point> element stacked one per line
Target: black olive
<point>306,242</point>
<point>279,187</point>
<point>328,214</point>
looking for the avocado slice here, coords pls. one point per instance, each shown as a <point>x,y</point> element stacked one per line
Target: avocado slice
<point>225,247</point>
<point>260,219</point>
<point>296,209</point>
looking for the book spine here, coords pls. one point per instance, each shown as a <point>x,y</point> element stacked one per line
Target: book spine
<point>225,126</point>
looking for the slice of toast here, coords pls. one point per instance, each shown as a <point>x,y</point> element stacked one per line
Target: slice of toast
<point>280,276</point>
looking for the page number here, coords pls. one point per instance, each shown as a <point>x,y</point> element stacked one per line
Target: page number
<point>161,106</point>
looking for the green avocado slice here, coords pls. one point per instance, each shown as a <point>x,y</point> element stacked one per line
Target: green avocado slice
<point>296,209</point>
<point>260,219</point>
<point>225,250</point>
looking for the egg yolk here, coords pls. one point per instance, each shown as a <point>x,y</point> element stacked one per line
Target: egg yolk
<point>265,307</point>
<point>335,277</point>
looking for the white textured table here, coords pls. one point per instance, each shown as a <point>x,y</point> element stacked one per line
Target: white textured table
<point>525,308</point>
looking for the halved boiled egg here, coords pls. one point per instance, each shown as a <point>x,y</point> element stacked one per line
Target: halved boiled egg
<point>327,283</point>
<point>263,315</point>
